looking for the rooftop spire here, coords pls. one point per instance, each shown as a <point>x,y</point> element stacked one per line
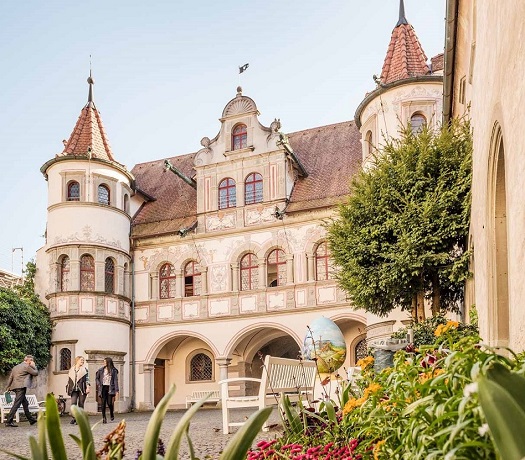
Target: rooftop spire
<point>402,17</point>
<point>91,82</point>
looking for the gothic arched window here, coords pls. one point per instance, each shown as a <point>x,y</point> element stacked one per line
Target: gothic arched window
<point>276,268</point>
<point>109,276</point>
<point>64,274</point>
<point>227,194</point>
<point>87,273</point>
<point>253,188</point>
<point>322,262</point>
<point>201,368</point>
<point>73,191</point>
<point>249,272</point>
<point>65,359</point>
<point>239,137</point>
<point>103,194</point>
<point>417,121</point>
<point>167,281</point>
<point>192,279</point>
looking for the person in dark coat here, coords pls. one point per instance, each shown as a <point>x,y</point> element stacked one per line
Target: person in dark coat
<point>78,386</point>
<point>20,379</point>
<point>107,387</point>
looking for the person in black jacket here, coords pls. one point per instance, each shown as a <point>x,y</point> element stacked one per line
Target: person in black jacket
<point>107,387</point>
<point>78,386</point>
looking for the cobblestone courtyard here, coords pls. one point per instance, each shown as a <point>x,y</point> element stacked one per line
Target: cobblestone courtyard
<point>205,432</point>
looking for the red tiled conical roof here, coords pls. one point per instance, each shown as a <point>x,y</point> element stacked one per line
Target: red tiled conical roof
<point>89,134</point>
<point>405,57</point>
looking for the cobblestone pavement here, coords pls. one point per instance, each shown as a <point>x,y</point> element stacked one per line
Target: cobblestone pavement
<point>205,433</point>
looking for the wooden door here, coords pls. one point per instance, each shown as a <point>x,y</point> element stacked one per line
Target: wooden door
<point>159,384</point>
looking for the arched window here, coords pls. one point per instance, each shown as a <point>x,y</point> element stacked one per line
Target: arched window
<point>201,368</point>
<point>109,276</point>
<point>276,268</point>
<point>64,274</point>
<point>65,359</point>
<point>167,281</point>
<point>126,203</point>
<point>253,188</point>
<point>192,279</point>
<point>361,350</point>
<point>227,197</point>
<point>126,279</point>
<point>417,121</point>
<point>73,191</point>
<point>239,137</point>
<point>322,262</point>
<point>249,272</point>
<point>369,147</point>
<point>103,194</point>
<point>87,273</point>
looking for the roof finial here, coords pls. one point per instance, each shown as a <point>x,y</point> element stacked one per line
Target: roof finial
<point>91,82</point>
<point>402,18</point>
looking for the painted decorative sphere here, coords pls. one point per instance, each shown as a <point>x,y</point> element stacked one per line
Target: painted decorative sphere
<point>325,341</point>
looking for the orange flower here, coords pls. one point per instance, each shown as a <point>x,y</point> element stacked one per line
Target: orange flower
<point>377,448</point>
<point>352,404</point>
<point>365,362</point>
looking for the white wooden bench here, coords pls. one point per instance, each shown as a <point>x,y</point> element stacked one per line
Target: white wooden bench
<point>197,395</point>
<point>281,376</point>
<point>34,406</point>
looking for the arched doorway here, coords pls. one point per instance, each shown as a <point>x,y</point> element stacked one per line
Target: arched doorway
<point>499,304</point>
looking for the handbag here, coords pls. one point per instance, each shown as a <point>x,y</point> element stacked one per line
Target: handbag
<point>8,397</point>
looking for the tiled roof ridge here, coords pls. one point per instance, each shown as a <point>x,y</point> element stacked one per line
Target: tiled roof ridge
<point>405,57</point>
<point>89,132</point>
<point>182,156</point>
<point>323,126</point>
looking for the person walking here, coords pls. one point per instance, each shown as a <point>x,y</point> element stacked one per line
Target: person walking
<point>20,379</point>
<point>78,386</point>
<point>107,387</point>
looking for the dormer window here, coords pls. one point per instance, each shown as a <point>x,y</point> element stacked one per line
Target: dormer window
<point>227,194</point>
<point>239,137</point>
<point>103,194</point>
<point>417,121</point>
<point>253,189</point>
<point>73,191</point>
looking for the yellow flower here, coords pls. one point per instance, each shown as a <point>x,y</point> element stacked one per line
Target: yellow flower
<point>352,404</point>
<point>442,328</point>
<point>377,448</point>
<point>371,389</point>
<point>365,362</point>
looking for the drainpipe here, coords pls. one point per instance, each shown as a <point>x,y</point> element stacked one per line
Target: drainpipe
<point>132,314</point>
<point>450,57</point>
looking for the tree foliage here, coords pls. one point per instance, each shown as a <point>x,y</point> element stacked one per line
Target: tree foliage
<point>25,324</point>
<point>402,235</point>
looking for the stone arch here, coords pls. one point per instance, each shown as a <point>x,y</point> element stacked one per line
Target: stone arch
<point>244,249</point>
<point>498,305</point>
<point>160,342</point>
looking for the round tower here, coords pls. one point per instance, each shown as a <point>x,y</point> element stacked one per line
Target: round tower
<point>85,263</point>
<point>408,92</point>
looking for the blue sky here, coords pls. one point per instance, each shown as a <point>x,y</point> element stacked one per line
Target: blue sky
<point>164,71</point>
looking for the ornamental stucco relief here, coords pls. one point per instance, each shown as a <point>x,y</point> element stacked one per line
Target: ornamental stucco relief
<point>219,278</point>
<point>214,223</point>
<point>257,216</point>
<point>87,237</point>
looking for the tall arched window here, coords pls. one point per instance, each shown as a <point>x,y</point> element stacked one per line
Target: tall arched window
<point>103,194</point>
<point>368,143</point>
<point>201,368</point>
<point>192,279</point>
<point>167,281</point>
<point>87,273</point>
<point>249,272</point>
<point>65,359</point>
<point>73,191</point>
<point>126,203</point>
<point>276,268</point>
<point>417,121</point>
<point>109,276</point>
<point>253,188</point>
<point>322,262</point>
<point>64,274</point>
<point>361,350</point>
<point>227,196</point>
<point>239,137</point>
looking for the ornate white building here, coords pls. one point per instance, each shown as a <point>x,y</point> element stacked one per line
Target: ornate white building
<point>184,270</point>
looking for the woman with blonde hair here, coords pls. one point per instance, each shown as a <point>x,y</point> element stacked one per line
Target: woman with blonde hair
<point>78,386</point>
